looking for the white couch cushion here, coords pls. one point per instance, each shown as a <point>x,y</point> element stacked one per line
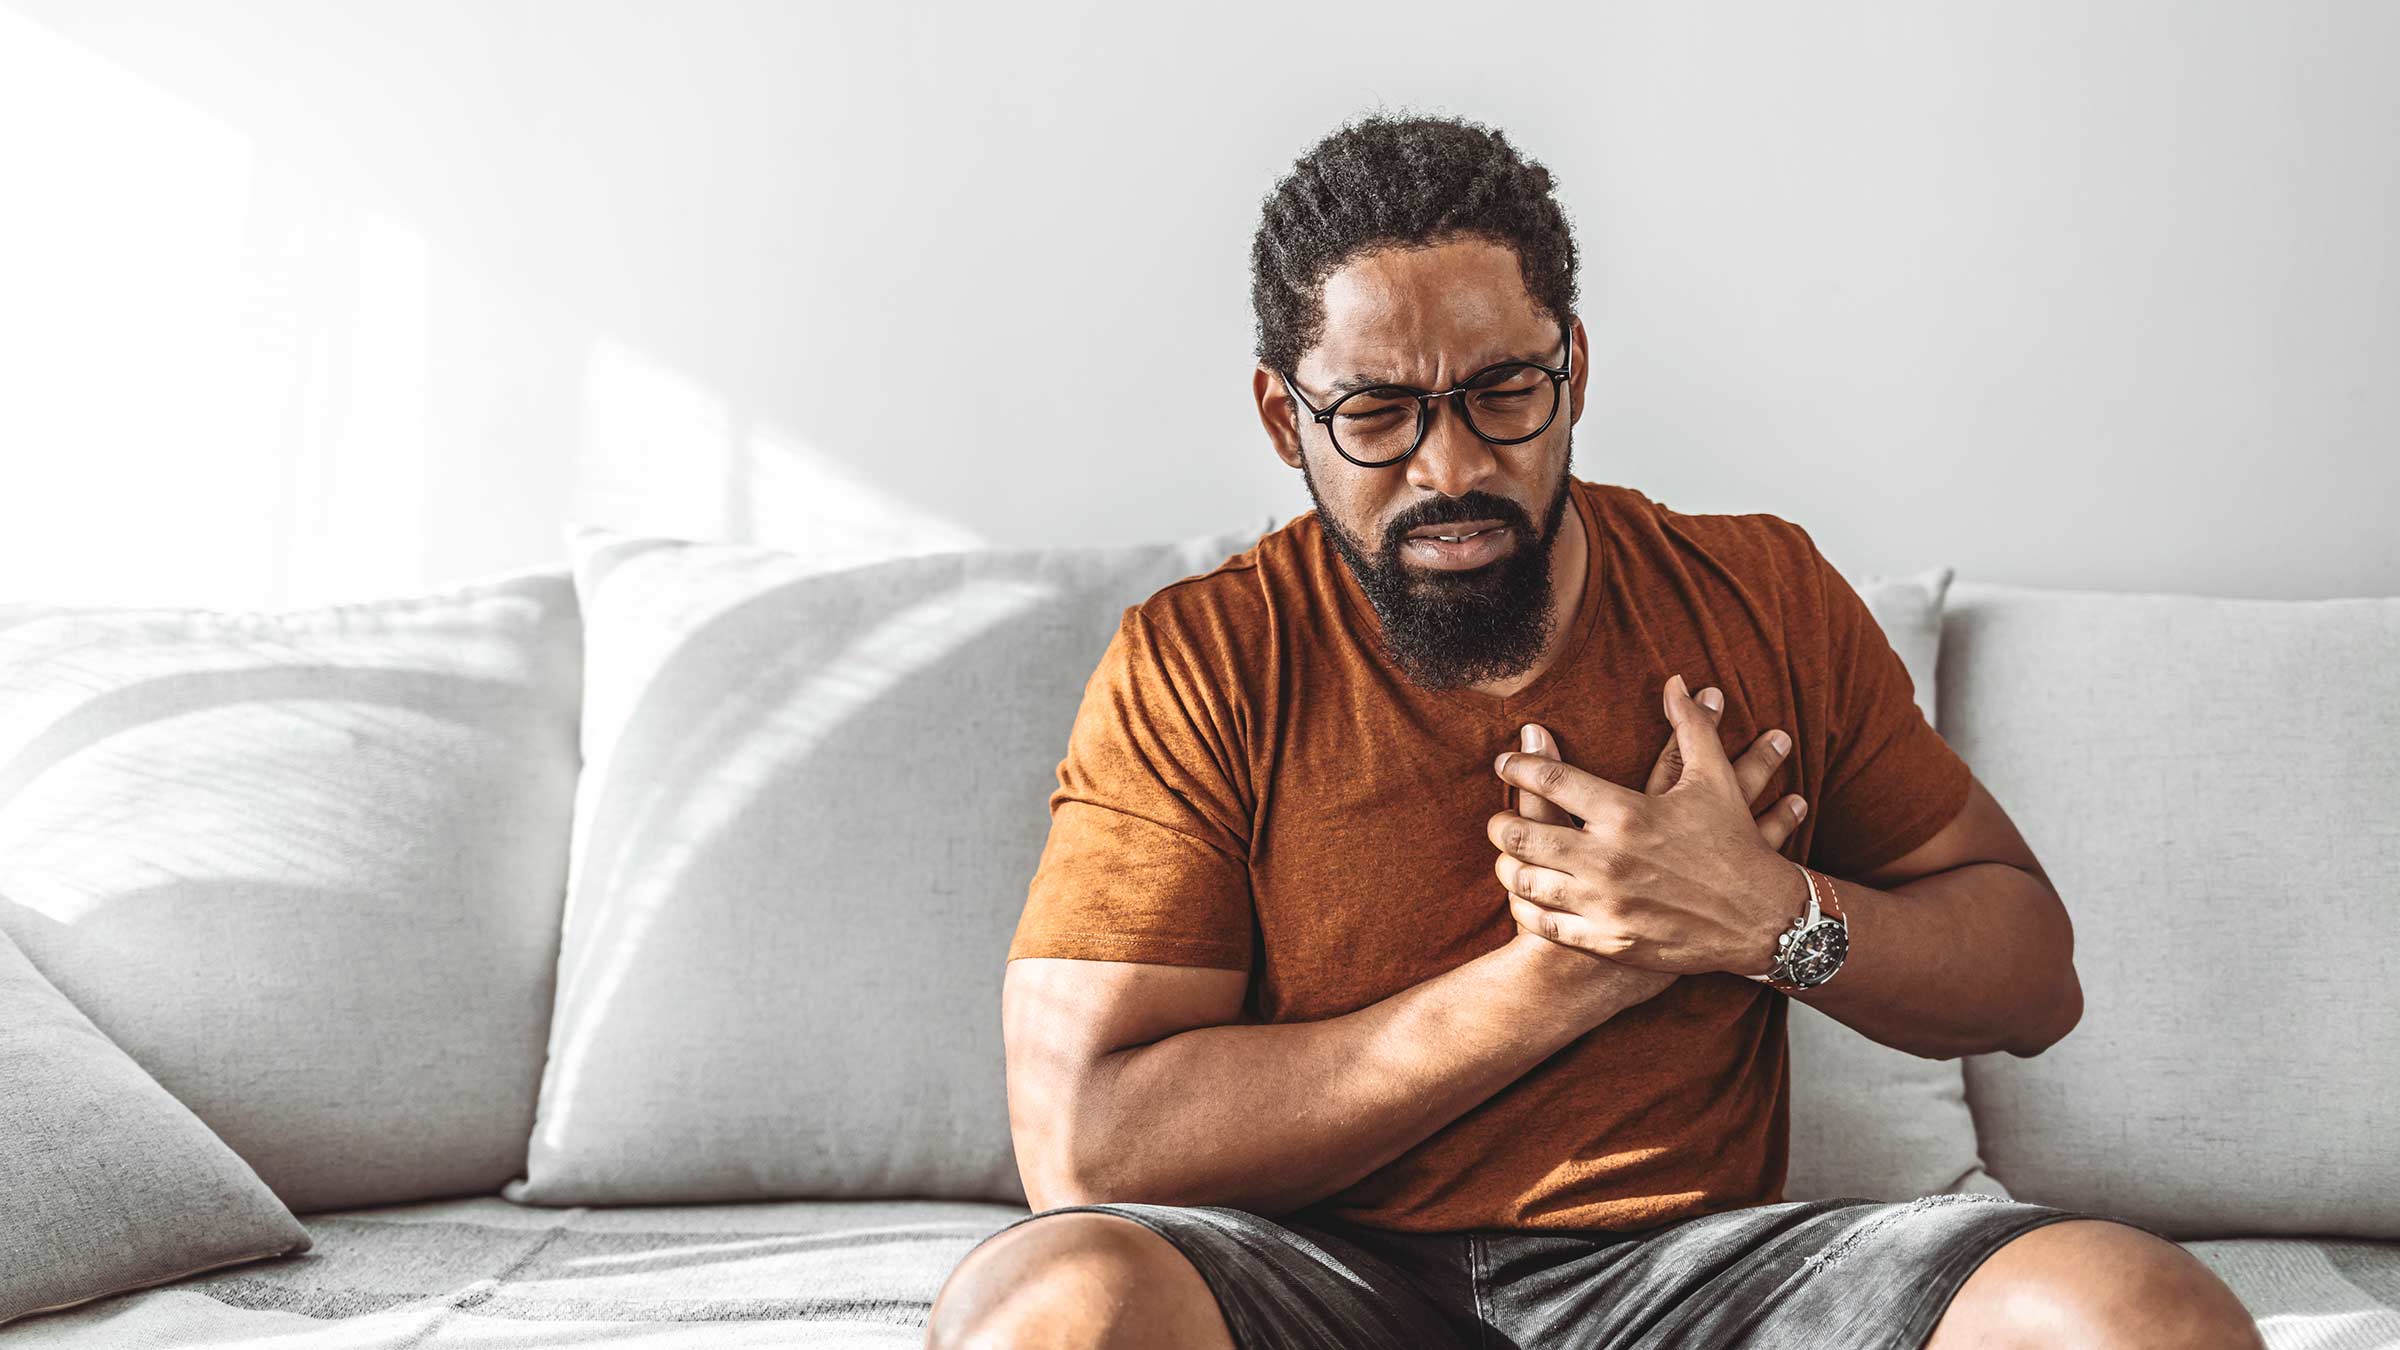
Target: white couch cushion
<point>813,798</point>
<point>1869,1120</point>
<point>305,867</point>
<point>484,1272</point>
<point>2210,784</point>
<point>107,1183</point>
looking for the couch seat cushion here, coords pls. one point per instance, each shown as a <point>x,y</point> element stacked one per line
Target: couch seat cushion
<point>2312,1293</point>
<point>487,1272</point>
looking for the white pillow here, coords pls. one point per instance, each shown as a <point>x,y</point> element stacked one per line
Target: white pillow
<point>2210,783</point>
<point>1867,1119</point>
<point>305,867</point>
<point>813,797</point>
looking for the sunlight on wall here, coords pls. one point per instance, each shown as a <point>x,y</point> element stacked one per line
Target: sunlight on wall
<point>661,453</point>
<point>359,515</point>
<point>128,449</point>
<point>810,502</point>
<point>656,452</point>
<point>216,372</point>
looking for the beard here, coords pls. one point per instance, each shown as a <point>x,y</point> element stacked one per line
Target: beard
<point>1450,629</point>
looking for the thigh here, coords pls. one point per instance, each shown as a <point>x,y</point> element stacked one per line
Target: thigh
<point>1846,1271</point>
<point>1301,1284</point>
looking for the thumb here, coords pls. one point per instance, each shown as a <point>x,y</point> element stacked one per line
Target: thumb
<point>1535,739</point>
<point>1695,734</point>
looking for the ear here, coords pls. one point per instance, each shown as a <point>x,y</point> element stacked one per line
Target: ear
<point>1278,413</point>
<point>1583,370</point>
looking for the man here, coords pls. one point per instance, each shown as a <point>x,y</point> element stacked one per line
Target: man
<point>1405,963</point>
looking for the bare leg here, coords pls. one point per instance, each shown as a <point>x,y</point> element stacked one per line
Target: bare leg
<point>1081,1279</point>
<point>2090,1282</point>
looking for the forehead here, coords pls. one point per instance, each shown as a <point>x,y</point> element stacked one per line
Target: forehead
<point>1454,306</point>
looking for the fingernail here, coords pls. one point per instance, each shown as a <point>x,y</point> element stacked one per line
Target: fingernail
<point>1799,809</point>
<point>1500,761</point>
<point>1780,741</point>
<point>1532,739</point>
<point>1711,699</point>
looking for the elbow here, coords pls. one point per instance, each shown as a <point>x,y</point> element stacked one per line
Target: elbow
<point>2066,1011</point>
<point>1055,1175</point>
<point>1062,1181</point>
<point>1063,1167</point>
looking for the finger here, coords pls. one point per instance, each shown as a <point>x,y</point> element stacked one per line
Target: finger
<point>1583,793</point>
<point>1529,882</point>
<point>1670,759</point>
<point>1777,822</point>
<point>1561,927</point>
<point>1532,805</point>
<point>1695,736</point>
<point>1531,840</point>
<point>1759,763</point>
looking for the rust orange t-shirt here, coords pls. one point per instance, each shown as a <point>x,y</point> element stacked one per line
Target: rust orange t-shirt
<point>1250,784</point>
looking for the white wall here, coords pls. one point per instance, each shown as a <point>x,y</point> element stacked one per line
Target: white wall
<point>301,301</point>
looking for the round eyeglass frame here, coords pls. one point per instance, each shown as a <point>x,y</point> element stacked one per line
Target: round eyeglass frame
<point>1425,398</point>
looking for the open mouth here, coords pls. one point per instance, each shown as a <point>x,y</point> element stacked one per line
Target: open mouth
<point>1469,548</point>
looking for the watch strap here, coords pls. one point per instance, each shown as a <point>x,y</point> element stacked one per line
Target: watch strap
<point>1826,902</point>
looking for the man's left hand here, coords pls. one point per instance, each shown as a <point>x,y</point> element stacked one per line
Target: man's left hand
<point>1678,881</point>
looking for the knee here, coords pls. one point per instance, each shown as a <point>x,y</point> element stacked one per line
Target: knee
<point>1074,1279</point>
<point>2109,1284</point>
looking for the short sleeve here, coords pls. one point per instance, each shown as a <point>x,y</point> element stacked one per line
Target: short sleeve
<point>1891,782</point>
<point>1148,853</point>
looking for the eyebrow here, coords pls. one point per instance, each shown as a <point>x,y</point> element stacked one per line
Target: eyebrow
<point>1351,384</point>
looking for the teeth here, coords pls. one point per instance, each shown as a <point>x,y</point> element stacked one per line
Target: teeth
<point>1461,538</point>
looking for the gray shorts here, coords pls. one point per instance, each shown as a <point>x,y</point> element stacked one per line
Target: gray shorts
<point>1847,1272</point>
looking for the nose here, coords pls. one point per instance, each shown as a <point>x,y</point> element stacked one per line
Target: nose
<point>1453,460</point>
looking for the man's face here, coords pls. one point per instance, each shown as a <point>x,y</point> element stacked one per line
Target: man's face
<point>1431,317</point>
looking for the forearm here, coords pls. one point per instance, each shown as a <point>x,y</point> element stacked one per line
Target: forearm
<point>1271,1117</point>
<point>1975,959</point>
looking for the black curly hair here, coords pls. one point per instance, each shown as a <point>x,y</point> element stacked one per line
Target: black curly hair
<point>1397,182</point>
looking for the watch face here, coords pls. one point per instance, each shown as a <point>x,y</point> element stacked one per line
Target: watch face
<point>1817,953</point>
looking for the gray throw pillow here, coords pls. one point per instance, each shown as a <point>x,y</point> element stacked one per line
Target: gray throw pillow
<point>107,1183</point>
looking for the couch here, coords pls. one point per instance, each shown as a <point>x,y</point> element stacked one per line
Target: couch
<point>611,952</point>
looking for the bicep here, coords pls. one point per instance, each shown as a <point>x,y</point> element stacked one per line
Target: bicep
<point>1980,832</point>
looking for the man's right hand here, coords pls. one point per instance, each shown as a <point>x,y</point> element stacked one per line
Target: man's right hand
<point>1775,825</point>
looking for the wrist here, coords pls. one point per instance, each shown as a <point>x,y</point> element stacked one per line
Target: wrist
<point>1594,986</point>
<point>1812,947</point>
<point>1792,888</point>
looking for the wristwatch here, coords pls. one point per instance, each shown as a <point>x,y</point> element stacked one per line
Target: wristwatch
<point>1808,954</point>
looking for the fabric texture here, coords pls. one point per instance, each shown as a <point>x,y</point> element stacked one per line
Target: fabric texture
<point>2209,784</point>
<point>107,1183</point>
<point>487,1273</point>
<point>1790,1276</point>
<point>847,1274</point>
<point>1246,761</point>
<point>1869,1120</point>
<point>812,795</point>
<point>305,867</point>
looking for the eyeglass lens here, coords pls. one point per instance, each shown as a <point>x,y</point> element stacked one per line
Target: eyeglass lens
<point>1505,403</point>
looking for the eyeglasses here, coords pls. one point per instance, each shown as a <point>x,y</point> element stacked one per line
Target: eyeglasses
<point>1382,424</point>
